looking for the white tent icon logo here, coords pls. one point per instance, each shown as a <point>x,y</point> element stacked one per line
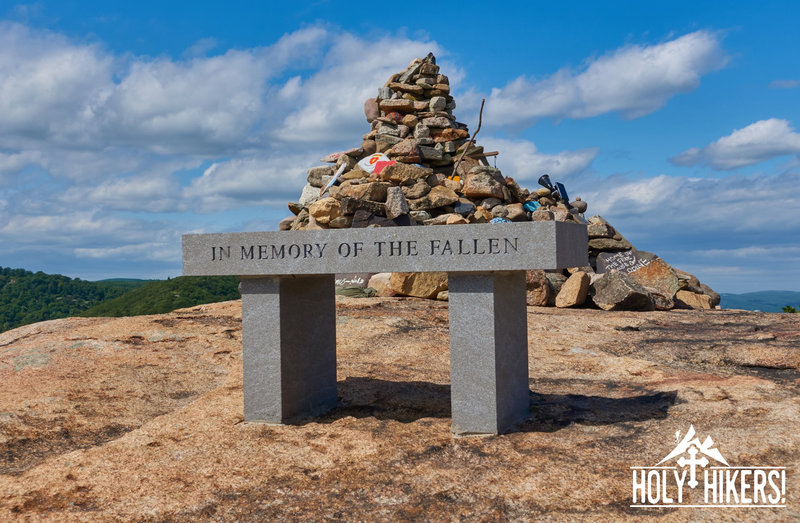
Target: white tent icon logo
<point>691,445</point>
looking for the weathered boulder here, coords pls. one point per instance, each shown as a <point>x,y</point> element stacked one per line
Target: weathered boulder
<point>440,220</point>
<point>369,147</point>
<point>688,282</point>
<point>537,288</point>
<point>600,230</point>
<point>455,219</point>
<point>438,196</point>
<point>341,222</point>
<point>579,205</point>
<point>353,205</point>
<point>658,278</point>
<point>449,135</point>
<point>309,195</point>
<point>464,207</point>
<point>404,174</point>
<point>300,221</point>
<point>554,280</point>
<point>693,300</point>
<point>542,215</point>
<point>396,203</point>
<point>574,291</point>
<point>481,215</point>
<point>325,210</point>
<point>315,174</point>
<point>418,190</point>
<point>401,105</point>
<point>381,283</point>
<point>516,213</point>
<point>482,185</point>
<point>609,244</point>
<point>418,284</point>
<point>438,103</point>
<point>354,174</point>
<point>384,142</point>
<point>437,121</point>
<point>295,207</point>
<point>617,291</point>
<point>375,191</point>
<point>625,261</point>
<point>407,148</point>
<point>371,109</point>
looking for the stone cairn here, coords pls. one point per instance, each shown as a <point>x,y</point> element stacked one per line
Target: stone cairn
<point>418,166</point>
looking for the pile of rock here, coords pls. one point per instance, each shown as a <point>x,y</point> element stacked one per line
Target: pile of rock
<point>430,172</point>
<point>619,277</point>
<point>418,166</point>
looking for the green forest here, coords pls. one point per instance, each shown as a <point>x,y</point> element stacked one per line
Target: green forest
<point>157,297</point>
<point>28,297</point>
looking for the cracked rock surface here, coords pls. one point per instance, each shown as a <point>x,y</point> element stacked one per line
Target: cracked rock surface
<point>140,418</point>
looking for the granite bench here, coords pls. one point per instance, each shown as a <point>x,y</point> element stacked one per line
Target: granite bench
<point>288,277</point>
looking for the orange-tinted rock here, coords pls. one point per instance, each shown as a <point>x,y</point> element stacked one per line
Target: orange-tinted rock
<point>438,196</point>
<point>693,300</point>
<point>658,278</point>
<point>418,284</point>
<point>574,291</point>
<point>482,185</point>
<point>375,191</point>
<point>400,105</point>
<point>324,210</point>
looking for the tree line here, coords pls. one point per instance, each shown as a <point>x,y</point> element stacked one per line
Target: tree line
<point>27,297</point>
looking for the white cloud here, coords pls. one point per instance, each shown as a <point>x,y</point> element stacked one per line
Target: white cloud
<point>699,206</point>
<point>48,85</point>
<point>55,92</point>
<point>633,80</point>
<point>204,106</point>
<point>759,141</point>
<point>784,84</point>
<point>272,180</point>
<point>330,103</point>
<point>154,251</point>
<point>747,225</point>
<point>752,251</point>
<point>521,160</point>
<point>12,163</point>
<point>147,192</point>
<point>56,231</point>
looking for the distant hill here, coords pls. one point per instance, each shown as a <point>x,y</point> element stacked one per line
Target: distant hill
<point>27,297</point>
<point>764,301</point>
<point>160,296</point>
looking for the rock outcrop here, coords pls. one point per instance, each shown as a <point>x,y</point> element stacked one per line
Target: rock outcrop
<point>140,418</point>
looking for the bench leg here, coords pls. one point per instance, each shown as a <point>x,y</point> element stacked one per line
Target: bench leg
<point>488,351</point>
<point>289,341</point>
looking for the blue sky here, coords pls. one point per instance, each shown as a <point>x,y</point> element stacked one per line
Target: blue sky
<point>124,125</point>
